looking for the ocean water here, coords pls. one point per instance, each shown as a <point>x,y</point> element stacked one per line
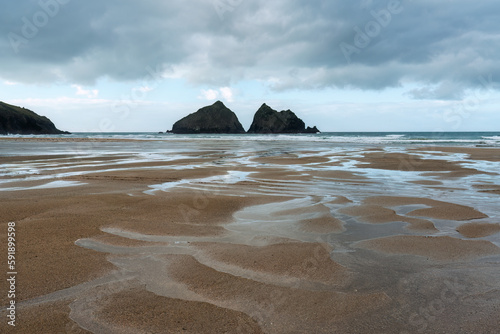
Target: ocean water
<point>471,139</point>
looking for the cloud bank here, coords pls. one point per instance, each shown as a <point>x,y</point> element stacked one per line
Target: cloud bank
<point>444,48</point>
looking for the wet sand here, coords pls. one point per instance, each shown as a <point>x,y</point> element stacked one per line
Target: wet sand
<point>478,230</point>
<point>437,248</point>
<point>214,241</point>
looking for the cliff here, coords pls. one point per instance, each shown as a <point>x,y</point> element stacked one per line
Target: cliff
<point>216,118</point>
<point>17,120</point>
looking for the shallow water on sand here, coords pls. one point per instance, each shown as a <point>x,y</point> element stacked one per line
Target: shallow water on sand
<point>407,203</point>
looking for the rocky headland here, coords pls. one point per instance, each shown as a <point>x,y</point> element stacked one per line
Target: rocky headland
<point>17,120</point>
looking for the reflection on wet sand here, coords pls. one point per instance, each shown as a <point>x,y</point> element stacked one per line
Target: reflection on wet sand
<point>225,240</point>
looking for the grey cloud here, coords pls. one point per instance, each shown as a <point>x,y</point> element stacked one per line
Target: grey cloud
<point>445,91</point>
<point>442,46</point>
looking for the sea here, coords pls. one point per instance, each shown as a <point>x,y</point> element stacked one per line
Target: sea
<point>470,139</point>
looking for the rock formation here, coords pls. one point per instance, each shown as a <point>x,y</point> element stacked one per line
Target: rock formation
<point>314,129</point>
<point>268,120</point>
<point>216,118</point>
<point>17,120</point>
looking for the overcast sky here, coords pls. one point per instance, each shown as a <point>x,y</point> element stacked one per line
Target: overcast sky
<point>366,65</point>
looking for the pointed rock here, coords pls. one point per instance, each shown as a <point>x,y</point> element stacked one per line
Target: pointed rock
<point>268,120</point>
<point>314,129</point>
<point>216,118</point>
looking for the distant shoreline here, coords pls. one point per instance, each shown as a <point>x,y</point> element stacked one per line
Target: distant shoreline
<point>469,138</point>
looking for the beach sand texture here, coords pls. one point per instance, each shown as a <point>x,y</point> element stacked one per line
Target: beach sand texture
<point>264,240</point>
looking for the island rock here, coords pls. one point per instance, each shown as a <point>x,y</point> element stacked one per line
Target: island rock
<point>216,118</point>
<point>268,120</point>
<point>17,120</point>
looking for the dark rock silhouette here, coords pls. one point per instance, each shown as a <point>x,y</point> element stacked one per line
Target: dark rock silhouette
<point>268,120</point>
<point>216,118</point>
<point>314,129</point>
<point>17,120</point>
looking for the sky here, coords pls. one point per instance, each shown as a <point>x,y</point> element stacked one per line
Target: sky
<point>358,65</point>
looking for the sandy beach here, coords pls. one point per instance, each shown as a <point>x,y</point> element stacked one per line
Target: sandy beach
<point>213,238</point>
